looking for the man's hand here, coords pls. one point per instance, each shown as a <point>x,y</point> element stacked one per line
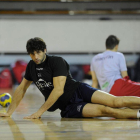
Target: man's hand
<point>4,115</point>
<point>33,116</point>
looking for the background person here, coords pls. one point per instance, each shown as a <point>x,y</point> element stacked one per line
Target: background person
<point>110,70</point>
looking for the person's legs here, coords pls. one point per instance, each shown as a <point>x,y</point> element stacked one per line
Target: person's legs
<point>91,102</point>
<point>96,110</point>
<point>103,98</point>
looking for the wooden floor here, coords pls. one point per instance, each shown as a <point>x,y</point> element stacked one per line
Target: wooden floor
<point>52,127</point>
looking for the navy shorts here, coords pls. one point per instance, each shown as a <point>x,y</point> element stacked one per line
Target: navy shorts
<point>81,97</point>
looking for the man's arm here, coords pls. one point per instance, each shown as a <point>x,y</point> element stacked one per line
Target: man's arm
<point>59,83</point>
<point>94,80</point>
<point>18,95</point>
<point>124,73</point>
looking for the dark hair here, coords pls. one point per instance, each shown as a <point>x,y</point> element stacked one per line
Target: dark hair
<point>35,44</point>
<point>111,42</point>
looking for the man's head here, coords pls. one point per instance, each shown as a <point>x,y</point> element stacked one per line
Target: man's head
<point>35,44</point>
<point>36,48</point>
<point>112,42</point>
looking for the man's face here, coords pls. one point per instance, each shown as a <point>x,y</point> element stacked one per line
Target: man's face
<point>38,56</point>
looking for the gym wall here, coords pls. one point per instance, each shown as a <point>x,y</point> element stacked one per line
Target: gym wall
<point>69,36</point>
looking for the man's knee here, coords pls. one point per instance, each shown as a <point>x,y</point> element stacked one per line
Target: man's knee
<point>119,102</point>
<point>108,110</point>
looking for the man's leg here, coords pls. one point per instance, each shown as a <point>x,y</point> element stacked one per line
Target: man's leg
<point>103,98</point>
<point>96,110</point>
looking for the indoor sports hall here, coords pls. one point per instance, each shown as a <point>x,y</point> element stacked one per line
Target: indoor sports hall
<point>75,30</point>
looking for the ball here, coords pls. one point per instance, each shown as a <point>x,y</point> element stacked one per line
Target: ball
<point>5,99</point>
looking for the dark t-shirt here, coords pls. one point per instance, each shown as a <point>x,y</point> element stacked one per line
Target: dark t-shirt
<point>42,75</point>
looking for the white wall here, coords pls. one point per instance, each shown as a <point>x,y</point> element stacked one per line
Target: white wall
<point>69,35</point>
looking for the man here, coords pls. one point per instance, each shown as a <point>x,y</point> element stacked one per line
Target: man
<point>109,68</point>
<point>75,100</point>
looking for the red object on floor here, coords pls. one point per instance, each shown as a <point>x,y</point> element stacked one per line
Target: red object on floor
<point>5,79</point>
<point>18,69</point>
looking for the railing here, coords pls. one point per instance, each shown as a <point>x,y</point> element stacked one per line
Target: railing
<point>66,12</point>
<point>76,0</point>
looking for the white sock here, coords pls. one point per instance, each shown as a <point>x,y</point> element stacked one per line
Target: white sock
<point>138,114</point>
